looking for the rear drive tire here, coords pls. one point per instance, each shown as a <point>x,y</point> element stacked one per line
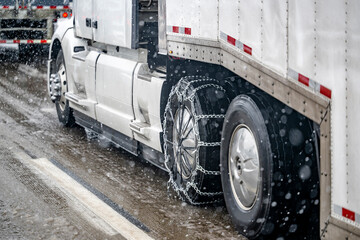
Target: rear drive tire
<point>269,175</point>
<point>193,119</point>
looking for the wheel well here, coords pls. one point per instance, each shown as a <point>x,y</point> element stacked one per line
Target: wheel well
<point>56,46</point>
<point>55,49</point>
<point>235,85</point>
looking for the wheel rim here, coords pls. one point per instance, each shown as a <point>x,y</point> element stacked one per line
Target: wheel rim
<point>185,142</point>
<point>244,168</point>
<point>62,75</point>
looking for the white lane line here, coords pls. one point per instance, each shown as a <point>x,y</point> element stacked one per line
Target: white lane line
<point>81,195</point>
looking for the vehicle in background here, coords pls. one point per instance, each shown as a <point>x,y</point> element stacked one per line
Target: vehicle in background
<point>27,26</point>
<point>252,101</point>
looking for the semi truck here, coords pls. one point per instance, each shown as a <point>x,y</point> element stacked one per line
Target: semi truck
<point>28,25</point>
<point>251,103</point>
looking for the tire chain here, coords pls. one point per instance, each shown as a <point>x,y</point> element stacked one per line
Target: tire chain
<point>180,94</point>
<point>210,116</point>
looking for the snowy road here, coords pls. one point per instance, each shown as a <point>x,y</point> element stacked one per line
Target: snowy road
<point>55,183</point>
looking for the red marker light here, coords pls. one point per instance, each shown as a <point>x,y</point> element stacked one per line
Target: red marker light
<point>65,15</point>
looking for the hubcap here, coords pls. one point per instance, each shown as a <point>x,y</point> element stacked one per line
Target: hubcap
<point>244,167</point>
<point>62,76</point>
<point>185,143</point>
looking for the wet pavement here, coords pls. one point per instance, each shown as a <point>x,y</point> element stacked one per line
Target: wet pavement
<point>31,209</point>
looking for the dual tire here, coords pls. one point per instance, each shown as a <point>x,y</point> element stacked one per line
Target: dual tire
<point>268,163</point>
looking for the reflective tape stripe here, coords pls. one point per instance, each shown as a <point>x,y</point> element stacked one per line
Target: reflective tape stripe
<point>7,7</point>
<point>27,41</point>
<point>247,49</point>
<point>35,7</point>
<point>346,213</point>
<point>181,30</point>
<point>50,7</point>
<point>235,42</point>
<point>318,88</point>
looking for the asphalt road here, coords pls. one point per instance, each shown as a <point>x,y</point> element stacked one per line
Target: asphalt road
<point>50,177</point>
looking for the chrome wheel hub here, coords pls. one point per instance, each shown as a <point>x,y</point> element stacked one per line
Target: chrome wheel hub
<point>185,142</point>
<point>244,170</point>
<point>58,87</point>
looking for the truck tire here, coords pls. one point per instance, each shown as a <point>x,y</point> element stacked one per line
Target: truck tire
<point>193,119</point>
<point>64,112</point>
<point>262,171</point>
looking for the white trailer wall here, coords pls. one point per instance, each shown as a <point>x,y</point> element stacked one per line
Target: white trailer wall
<point>353,102</point>
<point>274,35</point>
<point>250,25</point>
<point>229,24</point>
<point>302,37</point>
<point>187,14</point>
<point>330,71</point>
<point>260,25</point>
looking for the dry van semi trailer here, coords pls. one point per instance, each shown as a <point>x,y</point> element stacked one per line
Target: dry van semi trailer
<point>28,25</point>
<point>253,103</point>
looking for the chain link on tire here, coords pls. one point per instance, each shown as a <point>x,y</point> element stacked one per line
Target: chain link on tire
<point>186,90</point>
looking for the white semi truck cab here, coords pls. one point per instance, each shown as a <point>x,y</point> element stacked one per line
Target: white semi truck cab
<point>250,103</point>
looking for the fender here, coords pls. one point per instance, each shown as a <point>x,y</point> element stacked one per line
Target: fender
<point>64,38</point>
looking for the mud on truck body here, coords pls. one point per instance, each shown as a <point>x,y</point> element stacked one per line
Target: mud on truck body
<point>28,25</point>
<point>251,102</point>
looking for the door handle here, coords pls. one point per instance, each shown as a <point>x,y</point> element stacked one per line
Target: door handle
<point>88,22</point>
<point>95,24</point>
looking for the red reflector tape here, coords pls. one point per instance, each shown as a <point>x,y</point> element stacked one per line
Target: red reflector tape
<point>348,214</point>
<point>181,30</point>
<point>325,91</point>
<point>231,40</point>
<point>175,29</point>
<point>50,7</point>
<point>304,80</point>
<point>6,7</point>
<point>315,86</point>
<point>247,49</point>
<point>26,41</point>
<point>235,42</point>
